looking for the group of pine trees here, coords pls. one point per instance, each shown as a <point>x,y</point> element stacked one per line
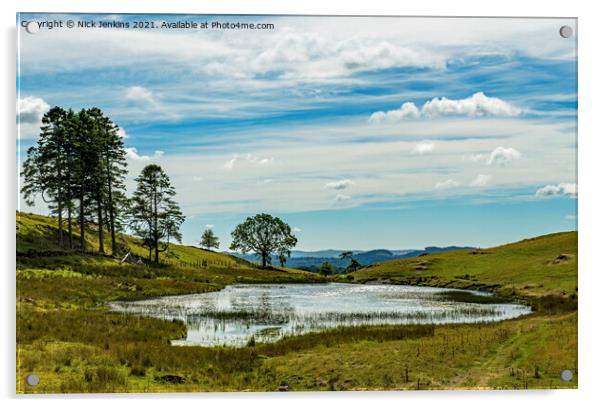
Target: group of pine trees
<point>78,168</point>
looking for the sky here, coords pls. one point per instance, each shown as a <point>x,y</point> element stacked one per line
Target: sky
<point>360,132</point>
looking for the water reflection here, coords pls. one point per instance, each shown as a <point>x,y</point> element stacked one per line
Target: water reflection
<point>267,312</point>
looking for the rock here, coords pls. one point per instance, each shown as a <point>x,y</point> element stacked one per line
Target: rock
<point>561,258</point>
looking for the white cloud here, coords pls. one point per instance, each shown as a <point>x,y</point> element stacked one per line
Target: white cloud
<point>296,229</point>
<point>209,226</point>
<point>499,156</point>
<point>423,147</point>
<point>477,105</point>
<point>570,217</point>
<point>140,94</point>
<point>407,111</point>
<point>230,163</point>
<point>197,178</point>
<point>503,156</point>
<point>249,158</point>
<point>31,109</point>
<point>450,183</point>
<point>481,180</point>
<point>259,161</point>
<point>562,189</point>
<point>132,154</point>
<point>305,48</point>
<point>341,198</point>
<point>339,185</point>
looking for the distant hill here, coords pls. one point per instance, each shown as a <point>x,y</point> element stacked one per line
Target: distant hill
<point>311,260</point>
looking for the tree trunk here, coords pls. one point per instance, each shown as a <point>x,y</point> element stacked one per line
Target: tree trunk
<point>263,259</point>
<point>111,210</point>
<point>156,228</point>
<point>70,226</point>
<point>101,236</point>
<point>82,221</point>
<point>60,206</point>
<point>60,210</point>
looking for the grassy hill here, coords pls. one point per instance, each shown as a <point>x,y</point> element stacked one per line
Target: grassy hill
<point>545,265</point>
<point>51,276</point>
<point>37,234</point>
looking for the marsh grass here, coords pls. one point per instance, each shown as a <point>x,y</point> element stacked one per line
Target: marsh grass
<point>472,298</point>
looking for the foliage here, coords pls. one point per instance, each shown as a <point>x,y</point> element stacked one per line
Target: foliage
<point>78,164</point>
<point>354,265</point>
<point>209,240</point>
<point>264,235</point>
<point>326,269</point>
<point>154,215</point>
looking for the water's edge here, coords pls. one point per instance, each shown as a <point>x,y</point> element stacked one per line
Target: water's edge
<point>241,313</point>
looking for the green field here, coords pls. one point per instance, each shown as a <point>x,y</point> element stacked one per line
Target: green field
<point>545,265</point>
<point>67,335</point>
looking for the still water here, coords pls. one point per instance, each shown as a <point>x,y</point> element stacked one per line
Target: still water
<point>268,312</point>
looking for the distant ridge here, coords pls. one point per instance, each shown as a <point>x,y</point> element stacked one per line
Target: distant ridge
<point>311,260</point>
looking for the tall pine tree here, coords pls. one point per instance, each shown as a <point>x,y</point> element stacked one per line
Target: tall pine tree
<point>155,215</point>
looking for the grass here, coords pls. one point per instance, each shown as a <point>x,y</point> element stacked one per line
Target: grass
<point>472,298</point>
<point>68,336</point>
<point>545,265</point>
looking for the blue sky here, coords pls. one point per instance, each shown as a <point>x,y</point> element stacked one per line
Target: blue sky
<point>360,132</point>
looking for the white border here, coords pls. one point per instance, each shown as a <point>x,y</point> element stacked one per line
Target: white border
<point>590,228</point>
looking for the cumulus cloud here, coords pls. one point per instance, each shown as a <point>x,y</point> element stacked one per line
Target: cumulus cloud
<point>132,154</point>
<point>499,156</point>
<point>296,229</point>
<point>503,156</point>
<point>339,185</point>
<point>31,109</point>
<point>481,180</point>
<point>140,94</point>
<point>423,147</point>
<point>407,111</point>
<point>209,226</point>
<point>341,198</point>
<point>476,105</point>
<point>450,183</point>
<point>562,189</point>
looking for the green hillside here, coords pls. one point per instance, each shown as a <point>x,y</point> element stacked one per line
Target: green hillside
<point>532,267</point>
<point>37,233</point>
<point>51,276</point>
